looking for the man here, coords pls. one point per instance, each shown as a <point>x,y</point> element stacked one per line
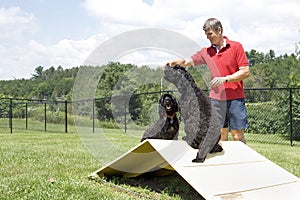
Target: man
<point>228,66</point>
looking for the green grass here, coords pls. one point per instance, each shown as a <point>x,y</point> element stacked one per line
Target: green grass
<point>39,165</point>
<point>288,157</point>
<point>43,165</point>
<point>33,125</point>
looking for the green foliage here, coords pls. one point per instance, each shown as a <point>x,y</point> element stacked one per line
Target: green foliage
<point>44,84</point>
<point>125,83</point>
<point>141,103</point>
<point>4,106</point>
<point>268,71</point>
<point>113,73</point>
<point>271,119</point>
<point>201,75</point>
<point>109,124</point>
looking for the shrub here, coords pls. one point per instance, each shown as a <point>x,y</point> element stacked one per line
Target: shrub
<point>267,118</point>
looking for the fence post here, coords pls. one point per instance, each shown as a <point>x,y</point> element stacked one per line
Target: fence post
<point>93,114</point>
<point>10,115</point>
<point>125,118</point>
<point>291,115</point>
<point>66,116</point>
<point>26,115</point>
<point>45,110</point>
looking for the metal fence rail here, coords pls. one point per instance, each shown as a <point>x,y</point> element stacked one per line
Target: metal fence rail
<point>273,114</point>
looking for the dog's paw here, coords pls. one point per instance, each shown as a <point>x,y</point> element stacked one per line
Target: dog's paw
<point>198,160</point>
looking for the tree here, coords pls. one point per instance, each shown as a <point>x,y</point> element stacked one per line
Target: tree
<point>38,73</point>
<point>63,87</point>
<point>43,91</point>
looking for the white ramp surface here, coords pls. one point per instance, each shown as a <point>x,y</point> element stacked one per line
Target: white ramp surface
<point>238,172</point>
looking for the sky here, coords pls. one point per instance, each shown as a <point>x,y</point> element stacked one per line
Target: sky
<point>65,32</point>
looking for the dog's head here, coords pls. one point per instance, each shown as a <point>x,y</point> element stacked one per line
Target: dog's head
<point>168,103</point>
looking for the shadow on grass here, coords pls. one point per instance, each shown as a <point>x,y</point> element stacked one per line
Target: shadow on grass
<point>172,185</point>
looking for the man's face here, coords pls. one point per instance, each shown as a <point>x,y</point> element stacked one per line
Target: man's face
<point>214,36</point>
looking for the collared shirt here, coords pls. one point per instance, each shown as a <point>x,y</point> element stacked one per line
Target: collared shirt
<point>216,47</point>
<point>223,62</point>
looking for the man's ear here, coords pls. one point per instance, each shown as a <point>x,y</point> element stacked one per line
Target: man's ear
<point>220,30</point>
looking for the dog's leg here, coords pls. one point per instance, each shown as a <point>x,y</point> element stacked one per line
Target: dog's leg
<point>154,132</point>
<point>198,159</point>
<point>156,136</point>
<point>217,147</point>
<point>202,153</point>
<point>209,144</point>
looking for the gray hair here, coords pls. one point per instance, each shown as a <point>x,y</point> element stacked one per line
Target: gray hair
<point>212,23</point>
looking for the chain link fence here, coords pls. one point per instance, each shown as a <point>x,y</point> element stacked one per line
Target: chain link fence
<point>273,114</point>
<point>38,115</point>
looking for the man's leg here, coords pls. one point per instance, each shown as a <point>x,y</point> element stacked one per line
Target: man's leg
<point>238,119</point>
<point>224,134</point>
<point>238,135</point>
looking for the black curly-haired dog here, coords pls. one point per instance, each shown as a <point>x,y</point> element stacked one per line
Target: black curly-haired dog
<point>167,126</point>
<point>201,123</point>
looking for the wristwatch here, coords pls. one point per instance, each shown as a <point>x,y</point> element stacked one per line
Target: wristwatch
<point>226,80</point>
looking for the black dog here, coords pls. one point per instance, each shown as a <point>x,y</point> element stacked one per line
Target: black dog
<point>201,123</point>
<point>167,126</point>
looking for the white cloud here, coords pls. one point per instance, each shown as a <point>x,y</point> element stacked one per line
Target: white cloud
<point>257,24</point>
<point>152,57</point>
<point>66,53</point>
<point>115,11</point>
<point>14,23</point>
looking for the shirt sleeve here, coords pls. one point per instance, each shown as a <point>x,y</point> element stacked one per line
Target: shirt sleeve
<point>198,58</point>
<point>241,57</point>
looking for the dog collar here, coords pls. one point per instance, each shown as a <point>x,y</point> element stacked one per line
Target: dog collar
<point>170,116</point>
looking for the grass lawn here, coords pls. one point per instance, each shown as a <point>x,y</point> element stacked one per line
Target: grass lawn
<point>40,165</point>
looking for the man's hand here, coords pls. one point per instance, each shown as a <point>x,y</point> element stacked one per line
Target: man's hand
<point>163,67</point>
<point>182,62</point>
<point>176,62</point>
<point>218,81</point>
<point>173,63</point>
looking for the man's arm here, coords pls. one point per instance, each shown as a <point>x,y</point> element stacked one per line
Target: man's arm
<point>242,74</point>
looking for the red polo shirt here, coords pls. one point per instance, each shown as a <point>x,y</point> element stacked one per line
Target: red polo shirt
<point>225,62</point>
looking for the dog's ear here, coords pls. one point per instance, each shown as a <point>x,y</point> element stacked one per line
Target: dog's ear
<point>161,109</point>
<point>161,100</point>
<point>176,109</point>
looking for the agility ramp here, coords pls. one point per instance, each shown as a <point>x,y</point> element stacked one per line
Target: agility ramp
<point>238,172</point>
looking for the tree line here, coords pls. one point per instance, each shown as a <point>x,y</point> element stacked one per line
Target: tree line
<point>267,71</point>
<point>47,84</point>
<point>144,84</point>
